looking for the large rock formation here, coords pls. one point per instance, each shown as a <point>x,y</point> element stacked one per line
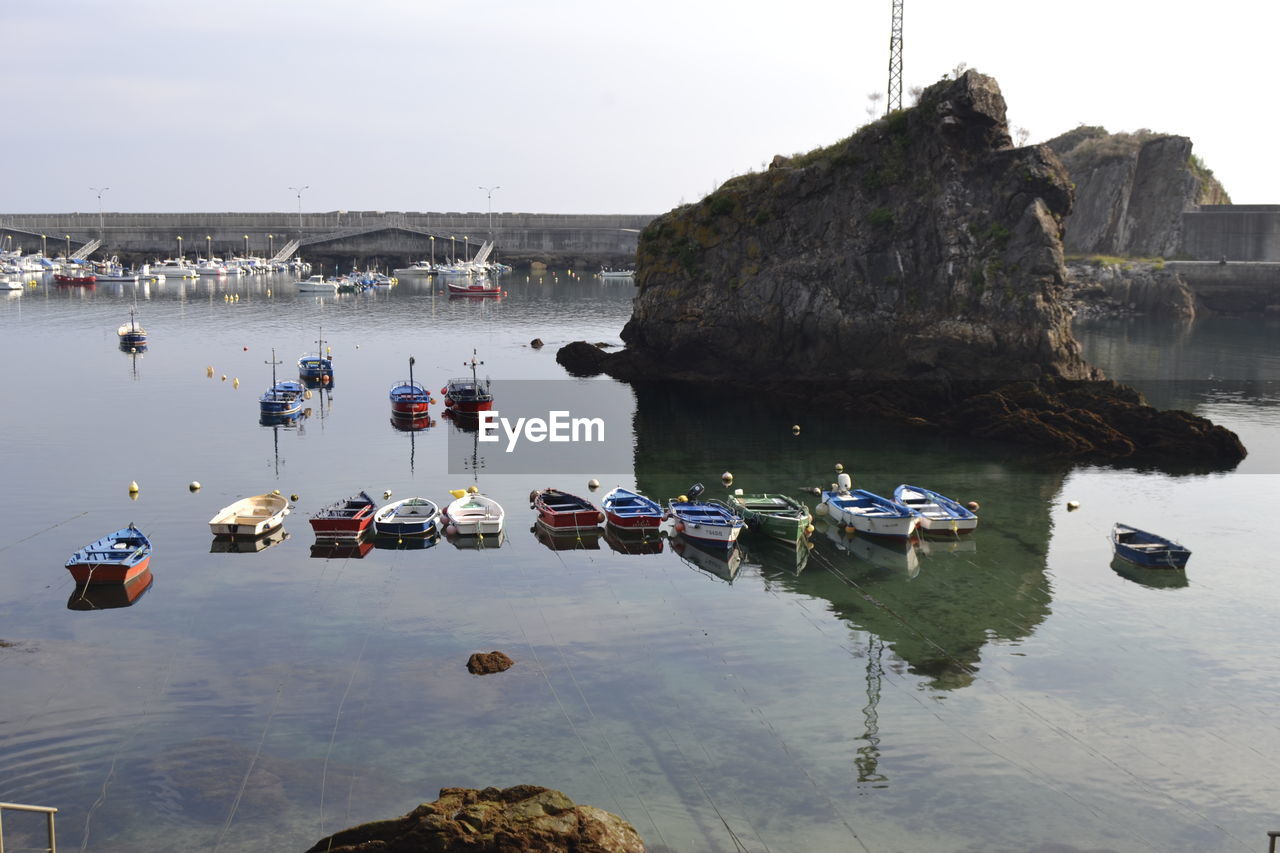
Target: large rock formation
<point>521,819</point>
<point>1131,191</point>
<point>914,270</point>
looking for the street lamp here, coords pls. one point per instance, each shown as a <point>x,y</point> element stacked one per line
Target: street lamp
<point>208,248</point>
<point>101,226</point>
<point>466,248</point>
<point>246,245</point>
<point>453,249</point>
<point>271,246</point>
<point>44,246</point>
<point>489,191</point>
<point>68,236</point>
<point>433,252</point>
<point>299,190</point>
<point>179,248</point>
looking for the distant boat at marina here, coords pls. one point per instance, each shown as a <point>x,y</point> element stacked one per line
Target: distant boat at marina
<point>131,333</point>
<point>317,284</point>
<point>318,367</point>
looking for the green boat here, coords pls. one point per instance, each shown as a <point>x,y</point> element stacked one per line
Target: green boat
<point>777,516</point>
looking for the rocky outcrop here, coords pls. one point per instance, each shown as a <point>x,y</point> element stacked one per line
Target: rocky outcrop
<point>1131,190</point>
<point>487,663</point>
<point>1096,289</point>
<point>901,272</point>
<point>522,819</point>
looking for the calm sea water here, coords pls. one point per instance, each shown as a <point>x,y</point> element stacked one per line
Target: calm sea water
<point>1014,691</point>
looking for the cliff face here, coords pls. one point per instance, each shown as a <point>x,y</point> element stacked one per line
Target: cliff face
<point>1131,191</point>
<point>923,247</point>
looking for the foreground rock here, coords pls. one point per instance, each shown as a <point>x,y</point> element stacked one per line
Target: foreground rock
<point>486,663</point>
<point>900,272</point>
<point>511,820</point>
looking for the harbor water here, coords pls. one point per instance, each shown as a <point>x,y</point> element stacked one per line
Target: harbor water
<point>1013,690</point>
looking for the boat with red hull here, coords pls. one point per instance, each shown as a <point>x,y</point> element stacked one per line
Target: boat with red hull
<point>408,398</point>
<point>115,558</point>
<point>631,510</point>
<point>473,287</point>
<point>346,518</point>
<point>563,511</point>
<point>468,396</point>
<point>75,277</point>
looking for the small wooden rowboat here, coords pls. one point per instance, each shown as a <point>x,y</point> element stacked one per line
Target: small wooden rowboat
<point>115,558</point>
<point>561,510</point>
<point>939,514</point>
<point>347,517</point>
<point>629,510</point>
<point>776,516</point>
<point>474,514</point>
<point>253,516</point>
<point>1147,549</point>
<point>409,517</point>
<point>709,523</point>
<point>870,513</point>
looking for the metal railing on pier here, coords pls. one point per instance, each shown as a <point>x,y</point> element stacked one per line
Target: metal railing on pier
<point>45,810</point>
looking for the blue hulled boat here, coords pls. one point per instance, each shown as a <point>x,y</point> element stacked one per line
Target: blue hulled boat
<point>710,523</point>
<point>1147,549</point>
<point>318,367</point>
<point>938,513</point>
<point>284,398</point>
<point>627,509</point>
<point>870,513</point>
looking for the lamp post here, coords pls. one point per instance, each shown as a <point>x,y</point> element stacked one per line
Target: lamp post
<point>299,190</point>
<point>271,246</point>
<point>44,246</point>
<point>433,253</point>
<point>453,249</point>
<point>68,236</point>
<point>466,248</point>
<point>246,245</point>
<point>179,247</point>
<point>101,226</point>
<point>208,247</point>
<point>489,192</point>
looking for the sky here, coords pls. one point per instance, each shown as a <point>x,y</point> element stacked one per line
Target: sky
<point>600,106</point>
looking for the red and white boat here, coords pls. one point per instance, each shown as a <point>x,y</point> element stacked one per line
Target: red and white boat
<point>115,558</point>
<point>563,511</point>
<point>75,276</point>
<point>481,286</point>
<point>631,510</point>
<point>408,398</point>
<point>346,518</point>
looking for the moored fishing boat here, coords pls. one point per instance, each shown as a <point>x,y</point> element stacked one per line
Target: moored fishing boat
<point>408,398</point>
<point>627,509</point>
<point>472,514</point>
<point>939,514</point>
<point>283,399</point>
<point>468,396</point>
<point>115,558</point>
<point>75,275</point>
<point>408,517</point>
<point>318,367</point>
<point>347,517</point>
<point>317,284</point>
<point>563,511</point>
<point>710,523</point>
<point>870,513</point>
<point>777,516</point>
<point>606,272</point>
<point>480,286</point>
<point>1148,550</point>
<point>251,516</point>
<point>131,333</point>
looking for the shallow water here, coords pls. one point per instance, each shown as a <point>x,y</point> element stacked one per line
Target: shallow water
<point>1013,691</point>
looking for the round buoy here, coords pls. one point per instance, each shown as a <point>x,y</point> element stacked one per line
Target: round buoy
<point>387,493</point>
<point>808,530</point>
<point>133,487</point>
<point>684,499</point>
<point>208,371</point>
<point>294,497</point>
<point>849,529</point>
<point>194,485</point>
<point>822,509</point>
<point>224,377</point>
<point>357,346</point>
<point>973,505</point>
<point>325,379</point>
<point>275,491</point>
<point>235,383</point>
<point>599,516</point>
<point>1072,506</point>
<point>795,429</point>
<point>593,484</point>
<point>679,527</point>
<point>246,349</point>
<point>839,467</point>
<point>133,349</point>
<point>451,530</point>
<point>473,490</point>
<point>307,395</point>
<point>726,477</point>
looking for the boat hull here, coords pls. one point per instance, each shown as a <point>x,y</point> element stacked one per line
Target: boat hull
<point>871,514</point>
<point>107,571</point>
<point>628,510</point>
<point>345,519</point>
<point>939,514</point>
<point>470,517</point>
<point>1147,550</point>
<point>252,517</point>
<point>409,517</point>
<point>562,511</point>
<point>776,516</point>
<point>706,524</point>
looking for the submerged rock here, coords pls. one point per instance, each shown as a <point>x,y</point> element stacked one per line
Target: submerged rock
<point>899,273</point>
<point>511,820</point>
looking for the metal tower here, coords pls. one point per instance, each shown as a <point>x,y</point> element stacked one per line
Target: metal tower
<point>895,60</point>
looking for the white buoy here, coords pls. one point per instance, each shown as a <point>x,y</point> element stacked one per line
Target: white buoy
<point>821,509</point>
<point>844,482</point>
<point>593,484</point>
<point>386,494</point>
<point>795,429</point>
<point>726,477</point>
<point>1072,506</point>
<point>194,485</point>
<point>133,487</point>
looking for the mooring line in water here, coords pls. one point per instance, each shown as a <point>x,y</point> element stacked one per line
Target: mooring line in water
<point>244,783</point>
<point>333,736</point>
<point>133,732</point>
<point>42,532</point>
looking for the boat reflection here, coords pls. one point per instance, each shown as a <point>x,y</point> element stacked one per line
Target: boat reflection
<point>247,544</point>
<point>894,554</point>
<point>463,421</point>
<point>107,596</point>
<point>1150,578</point>
<point>392,542</point>
<point>411,423</point>
<point>772,555</point>
<point>634,540</point>
<point>342,547</point>
<point>571,539</point>
<point>478,541</point>
<point>718,563</point>
<point>932,546</point>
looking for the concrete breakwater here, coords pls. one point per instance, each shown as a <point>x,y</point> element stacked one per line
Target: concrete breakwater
<point>393,237</point>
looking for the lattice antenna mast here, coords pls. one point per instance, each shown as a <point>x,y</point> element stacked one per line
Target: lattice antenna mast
<point>895,60</point>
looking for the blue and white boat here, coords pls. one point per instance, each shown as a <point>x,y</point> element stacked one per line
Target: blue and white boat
<point>1147,549</point>
<point>409,517</point>
<point>627,509</point>
<point>318,367</point>
<point>869,513</point>
<point>710,523</point>
<point>131,334</point>
<point>284,398</point>
<point>939,514</point>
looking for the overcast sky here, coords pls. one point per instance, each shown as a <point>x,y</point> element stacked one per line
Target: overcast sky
<point>571,107</point>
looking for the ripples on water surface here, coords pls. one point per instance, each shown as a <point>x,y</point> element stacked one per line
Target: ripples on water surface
<point>1011,692</point>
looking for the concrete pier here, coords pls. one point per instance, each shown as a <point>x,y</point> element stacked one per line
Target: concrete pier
<point>389,235</point>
